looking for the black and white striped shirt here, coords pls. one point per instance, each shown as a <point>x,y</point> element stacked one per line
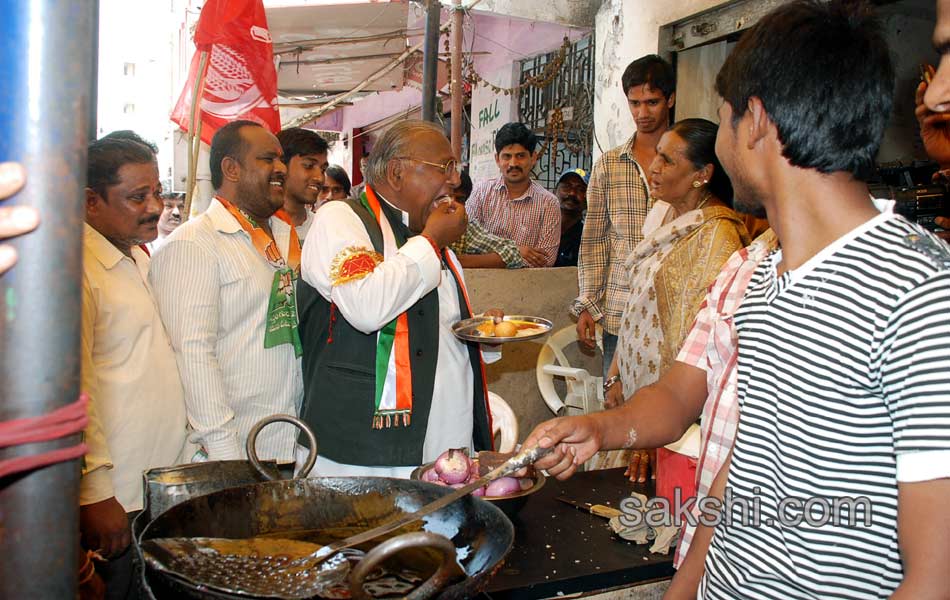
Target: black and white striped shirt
<point>844,387</point>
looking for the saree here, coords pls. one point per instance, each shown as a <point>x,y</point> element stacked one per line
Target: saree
<point>670,272</point>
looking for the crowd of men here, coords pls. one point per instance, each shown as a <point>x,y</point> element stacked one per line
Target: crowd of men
<point>820,356</point>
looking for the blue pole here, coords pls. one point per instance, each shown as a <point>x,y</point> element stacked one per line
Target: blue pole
<point>46,79</point>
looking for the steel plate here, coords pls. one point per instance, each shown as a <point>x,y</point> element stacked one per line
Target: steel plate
<point>467,329</point>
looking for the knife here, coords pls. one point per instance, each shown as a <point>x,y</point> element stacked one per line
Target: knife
<point>599,510</point>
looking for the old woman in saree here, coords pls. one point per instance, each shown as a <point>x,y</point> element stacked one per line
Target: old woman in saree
<point>688,235</point>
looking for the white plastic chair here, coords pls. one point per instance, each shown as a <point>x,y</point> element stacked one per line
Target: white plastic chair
<point>504,422</point>
<point>585,393</point>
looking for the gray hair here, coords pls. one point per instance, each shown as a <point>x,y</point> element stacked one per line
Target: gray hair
<point>393,144</point>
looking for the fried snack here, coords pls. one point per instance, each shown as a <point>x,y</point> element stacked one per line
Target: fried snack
<point>486,329</point>
<point>529,329</point>
<point>506,329</point>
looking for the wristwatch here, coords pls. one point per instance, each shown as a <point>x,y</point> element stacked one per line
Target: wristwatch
<point>610,381</point>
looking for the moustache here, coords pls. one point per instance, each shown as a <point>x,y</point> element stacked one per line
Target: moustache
<point>149,221</point>
<point>513,169</point>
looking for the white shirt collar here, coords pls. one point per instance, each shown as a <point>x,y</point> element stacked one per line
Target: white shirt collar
<point>221,218</point>
<point>404,215</point>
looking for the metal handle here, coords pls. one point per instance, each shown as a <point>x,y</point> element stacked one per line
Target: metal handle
<point>252,443</point>
<point>447,571</point>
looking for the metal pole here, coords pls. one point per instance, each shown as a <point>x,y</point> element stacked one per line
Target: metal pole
<point>93,126</point>
<point>430,57</point>
<point>46,65</point>
<point>457,116</point>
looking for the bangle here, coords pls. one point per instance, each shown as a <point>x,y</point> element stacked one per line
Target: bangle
<point>611,381</point>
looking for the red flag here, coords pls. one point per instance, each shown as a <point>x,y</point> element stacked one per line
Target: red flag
<point>240,80</point>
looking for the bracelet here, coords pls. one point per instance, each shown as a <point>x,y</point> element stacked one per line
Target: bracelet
<point>611,381</point>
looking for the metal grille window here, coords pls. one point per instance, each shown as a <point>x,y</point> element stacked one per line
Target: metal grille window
<point>562,112</point>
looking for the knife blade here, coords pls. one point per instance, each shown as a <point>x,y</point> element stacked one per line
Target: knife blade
<point>598,510</point>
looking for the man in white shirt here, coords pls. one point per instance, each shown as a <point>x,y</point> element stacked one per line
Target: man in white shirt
<point>378,296</point>
<point>137,419</point>
<point>225,285</point>
<point>305,154</point>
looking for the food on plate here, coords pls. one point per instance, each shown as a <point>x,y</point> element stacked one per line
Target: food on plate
<point>506,329</point>
<point>455,468</point>
<point>512,328</point>
<point>526,329</point>
<point>486,329</point>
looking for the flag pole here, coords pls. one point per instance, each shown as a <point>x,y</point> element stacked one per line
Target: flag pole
<point>194,132</point>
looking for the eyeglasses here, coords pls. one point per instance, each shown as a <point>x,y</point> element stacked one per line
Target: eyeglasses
<point>446,168</point>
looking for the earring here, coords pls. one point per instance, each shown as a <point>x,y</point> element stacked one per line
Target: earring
<point>696,184</point>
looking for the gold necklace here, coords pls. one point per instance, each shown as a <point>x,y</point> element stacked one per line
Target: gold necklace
<point>705,199</point>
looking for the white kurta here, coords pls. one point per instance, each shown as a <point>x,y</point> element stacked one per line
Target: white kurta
<point>213,288</point>
<point>128,369</point>
<point>368,304</point>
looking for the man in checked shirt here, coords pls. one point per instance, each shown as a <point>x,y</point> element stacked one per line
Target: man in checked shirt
<point>618,201</point>
<point>513,206</point>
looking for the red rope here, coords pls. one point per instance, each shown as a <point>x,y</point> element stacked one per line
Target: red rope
<point>62,422</point>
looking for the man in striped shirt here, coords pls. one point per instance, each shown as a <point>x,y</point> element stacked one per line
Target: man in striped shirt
<point>223,283</point>
<point>844,335</point>
<point>843,367</point>
<point>513,206</point>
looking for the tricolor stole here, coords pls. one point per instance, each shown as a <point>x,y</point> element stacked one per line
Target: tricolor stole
<point>393,371</point>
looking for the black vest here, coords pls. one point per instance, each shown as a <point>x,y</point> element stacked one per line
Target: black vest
<point>339,372</point>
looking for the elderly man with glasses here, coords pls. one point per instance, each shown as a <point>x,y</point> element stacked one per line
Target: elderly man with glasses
<point>378,295</point>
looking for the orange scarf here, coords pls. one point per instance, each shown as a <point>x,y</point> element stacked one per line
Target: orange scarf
<point>264,243</point>
<point>282,323</point>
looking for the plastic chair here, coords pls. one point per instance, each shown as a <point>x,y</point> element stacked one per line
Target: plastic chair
<point>585,393</point>
<point>504,422</point>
